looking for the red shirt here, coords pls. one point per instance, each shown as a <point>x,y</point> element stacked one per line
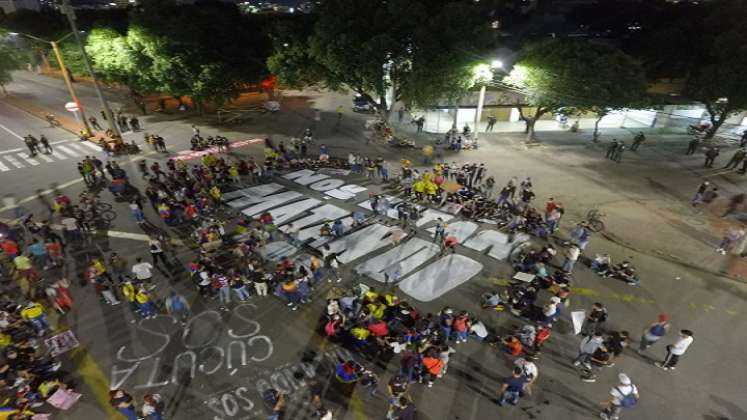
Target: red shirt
<point>550,206</point>
<point>379,329</point>
<point>9,247</point>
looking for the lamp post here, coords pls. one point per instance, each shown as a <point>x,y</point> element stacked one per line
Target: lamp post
<point>483,74</point>
<point>68,11</point>
<point>65,75</point>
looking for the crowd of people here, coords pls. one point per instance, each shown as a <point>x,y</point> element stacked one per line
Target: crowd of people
<point>378,326</point>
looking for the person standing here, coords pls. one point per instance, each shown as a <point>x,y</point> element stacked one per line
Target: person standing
<point>736,158</point>
<point>710,156</point>
<point>692,146</point>
<point>95,123</point>
<point>622,395</point>
<point>156,252</point>
<point>512,387</point>
<point>617,157</point>
<point>571,256</point>
<point>654,332</point>
<point>178,307</point>
<point>611,149</point>
<point>491,123</point>
<point>676,350</point>
<point>45,143</point>
<point>586,349</point>
<point>595,319</point>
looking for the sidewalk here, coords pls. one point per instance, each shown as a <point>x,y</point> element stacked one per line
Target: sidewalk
<point>646,198</point>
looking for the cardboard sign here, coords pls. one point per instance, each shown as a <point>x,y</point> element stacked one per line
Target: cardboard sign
<point>62,343</point>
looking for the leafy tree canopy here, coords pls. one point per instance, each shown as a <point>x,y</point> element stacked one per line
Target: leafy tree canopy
<point>10,60</point>
<point>207,51</point>
<point>426,47</point>
<point>579,74</point>
<point>707,47</point>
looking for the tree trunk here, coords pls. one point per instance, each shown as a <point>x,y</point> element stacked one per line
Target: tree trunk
<point>716,123</point>
<point>530,129</point>
<point>5,92</point>
<point>596,129</point>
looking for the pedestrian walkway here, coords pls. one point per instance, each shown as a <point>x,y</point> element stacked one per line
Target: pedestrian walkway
<point>18,159</point>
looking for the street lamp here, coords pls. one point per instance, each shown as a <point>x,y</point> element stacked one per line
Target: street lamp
<point>65,74</point>
<point>483,74</point>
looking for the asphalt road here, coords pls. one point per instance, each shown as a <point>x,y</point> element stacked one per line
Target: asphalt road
<point>707,384</point>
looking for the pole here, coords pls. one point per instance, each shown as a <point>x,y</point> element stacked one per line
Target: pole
<point>70,14</point>
<point>478,114</point>
<point>69,84</point>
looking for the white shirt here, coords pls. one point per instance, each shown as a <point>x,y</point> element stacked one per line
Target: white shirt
<point>69,223</point>
<point>573,253</point>
<point>479,329</point>
<point>142,271</point>
<point>550,309</point>
<point>397,347</point>
<point>529,368</point>
<point>155,246</point>
<point>620,391</point>
<point>680,346</point>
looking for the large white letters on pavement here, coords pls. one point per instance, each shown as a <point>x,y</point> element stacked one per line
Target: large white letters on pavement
<point>438,278</point>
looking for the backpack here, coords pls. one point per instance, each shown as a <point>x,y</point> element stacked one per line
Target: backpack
<point>177,305</point>
<point>628,400</point>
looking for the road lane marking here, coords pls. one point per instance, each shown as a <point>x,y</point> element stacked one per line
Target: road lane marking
<point>58,155</point>
<point>13,161</point>
<point>92,146</point>
<point>68,151</point>
<point>78,147</point>
<point>17,149</point>
<point>13,133</point>
<point>45,157</point>
<point>29,159</point>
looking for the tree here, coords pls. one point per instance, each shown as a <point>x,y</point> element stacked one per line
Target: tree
<point>207,51</point>
<point>711,55</point>
<point>416,51</point>
<point>10,60</point>
<point>577,74</point>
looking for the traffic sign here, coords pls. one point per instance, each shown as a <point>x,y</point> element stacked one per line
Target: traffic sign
<point>72,106</point>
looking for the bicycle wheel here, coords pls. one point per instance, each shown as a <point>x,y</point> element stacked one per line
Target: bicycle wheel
<point>107,215</point>
<point>102,207</point>
<point>596,225</point>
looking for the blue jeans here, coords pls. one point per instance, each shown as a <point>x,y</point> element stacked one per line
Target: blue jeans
<point>224,294</point>
<point>511,396</point>
<point>241,293</point>
<point>462,335</point>
<point>40,322</point>
<point>147,308</point>
<point>447,333</point>
<point>568,265</point>
<point>128,412</point>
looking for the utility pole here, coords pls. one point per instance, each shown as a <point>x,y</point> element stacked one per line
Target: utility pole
<point>65,74</point>
<point>70,14</point>
<point>69,84</point>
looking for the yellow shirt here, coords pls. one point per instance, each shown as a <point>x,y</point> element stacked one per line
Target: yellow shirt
<point>128,290</point>
<point>35,310</point>
<point>22,262</point>
<point>141,297</point>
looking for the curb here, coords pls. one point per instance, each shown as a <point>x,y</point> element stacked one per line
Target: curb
<point>66,123</point>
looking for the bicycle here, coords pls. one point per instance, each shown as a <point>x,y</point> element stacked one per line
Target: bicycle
<point>594,219</point>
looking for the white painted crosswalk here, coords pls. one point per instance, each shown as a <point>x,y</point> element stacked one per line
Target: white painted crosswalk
<point>17,159</point>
